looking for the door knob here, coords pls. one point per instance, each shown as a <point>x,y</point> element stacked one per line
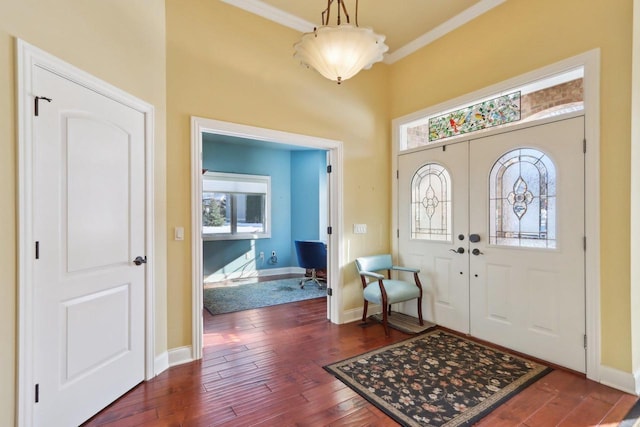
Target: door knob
<point>476,252</point>
<point>474,238</point>
<point>140,260</point>
<point>460,250</point>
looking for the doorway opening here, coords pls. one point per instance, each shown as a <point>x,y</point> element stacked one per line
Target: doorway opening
<point>243,255</point>
<point>258,199</point>
<point>589,62</point>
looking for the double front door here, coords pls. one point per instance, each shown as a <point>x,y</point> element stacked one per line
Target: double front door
<point>496,225</point>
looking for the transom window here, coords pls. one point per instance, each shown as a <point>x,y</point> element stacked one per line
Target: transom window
<point>551,96</point>
<point>522,200</point>
<point>431,203</point>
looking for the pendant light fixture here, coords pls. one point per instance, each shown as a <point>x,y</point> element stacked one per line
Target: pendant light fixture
<point>340,51</point>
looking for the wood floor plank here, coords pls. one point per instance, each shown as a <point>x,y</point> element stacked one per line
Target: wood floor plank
<point>264,367</point>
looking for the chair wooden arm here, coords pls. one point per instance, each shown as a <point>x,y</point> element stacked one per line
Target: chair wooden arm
<point>372,274</point>
<point>410,270</point>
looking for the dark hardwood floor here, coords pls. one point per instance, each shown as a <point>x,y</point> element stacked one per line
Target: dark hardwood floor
<point>264,367</point>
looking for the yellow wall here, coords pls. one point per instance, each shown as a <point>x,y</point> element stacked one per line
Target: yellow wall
<point>119,41</point>
<point>520,36</point>
<point>226,64</point>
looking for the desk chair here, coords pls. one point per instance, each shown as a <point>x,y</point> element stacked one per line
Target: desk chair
<point>312,255</point>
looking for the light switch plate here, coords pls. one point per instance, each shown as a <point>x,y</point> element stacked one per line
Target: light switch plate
<point>179,233</point>
<point>359,228</point>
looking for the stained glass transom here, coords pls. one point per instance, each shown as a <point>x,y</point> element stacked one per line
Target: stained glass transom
<point>494,112</point>
<point>431,203</point>
<point>522,200</point>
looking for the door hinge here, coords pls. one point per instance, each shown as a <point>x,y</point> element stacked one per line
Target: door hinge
<point>37,101</point>
<point>584,243</point>
<point>398,233</point>
<point>397,174</point>
<point>37,394</point>
<point>37,250</point>
<point>329,169</point>
<point>584,145</point>
<point>585,340</point>
<point>329,230</point>
<point>329,291</point>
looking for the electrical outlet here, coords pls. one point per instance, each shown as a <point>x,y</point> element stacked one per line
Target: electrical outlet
<point>261,256</point>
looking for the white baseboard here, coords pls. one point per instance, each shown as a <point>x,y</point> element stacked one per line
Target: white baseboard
<point>161,363</point>
<point>180,355</point>
<point>219,277</point>
<point>624,381</point>
<point>355,314</point>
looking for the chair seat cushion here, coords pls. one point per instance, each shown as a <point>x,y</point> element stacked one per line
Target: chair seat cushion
<point>397,291</point>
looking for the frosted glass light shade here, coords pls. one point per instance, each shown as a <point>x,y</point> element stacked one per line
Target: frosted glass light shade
<point>339,52</point>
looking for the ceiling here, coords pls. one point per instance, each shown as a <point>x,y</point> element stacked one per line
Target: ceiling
<point>407,24</point>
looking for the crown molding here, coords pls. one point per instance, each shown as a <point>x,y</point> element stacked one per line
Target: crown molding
<point>446,27</point>
<point>274,14</point>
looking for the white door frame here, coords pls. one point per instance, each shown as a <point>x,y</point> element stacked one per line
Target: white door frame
<point>199,126</point>
<point>591,62</point>
<point>29,57</point>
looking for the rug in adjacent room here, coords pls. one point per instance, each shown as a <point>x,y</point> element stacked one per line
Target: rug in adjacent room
<point>437,379</point>
<point>260,294</point>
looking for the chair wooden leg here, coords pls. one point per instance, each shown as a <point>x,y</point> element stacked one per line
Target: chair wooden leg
<point>364,311</point>
<point>385,322</point>
<point>420,311</point>
<point>385,316</point>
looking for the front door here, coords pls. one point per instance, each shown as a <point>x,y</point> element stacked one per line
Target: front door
<point>523,259</point>
<point>89,225</point>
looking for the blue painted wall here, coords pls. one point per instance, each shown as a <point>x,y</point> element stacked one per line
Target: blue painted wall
<point>308,211</point>
<point>295,195</point>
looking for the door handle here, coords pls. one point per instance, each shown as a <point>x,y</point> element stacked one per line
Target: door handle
<point>140,260</point>
<point>474,238</point>
<point>460,250</point>
<point>476,252</point>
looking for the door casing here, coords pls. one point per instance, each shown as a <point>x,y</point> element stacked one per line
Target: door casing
<point>591,62</point>
<point>29,56</point>
<point>334,149</point>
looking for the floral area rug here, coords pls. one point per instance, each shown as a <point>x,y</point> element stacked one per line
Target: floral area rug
<point>437,379</point>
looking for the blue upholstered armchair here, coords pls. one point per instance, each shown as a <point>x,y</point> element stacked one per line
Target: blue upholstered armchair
<point>385,291</point>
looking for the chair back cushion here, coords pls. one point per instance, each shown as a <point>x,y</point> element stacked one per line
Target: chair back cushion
<point>311,254</point>
<point>374,263</point>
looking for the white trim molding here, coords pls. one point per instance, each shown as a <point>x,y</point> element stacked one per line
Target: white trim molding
<point>180,355</point>
<point>590,61</point>
<point>200,126</point>
<point>446,27</point>
<point>281,17</point>
<point>620,380</point>
<point>29,57</point>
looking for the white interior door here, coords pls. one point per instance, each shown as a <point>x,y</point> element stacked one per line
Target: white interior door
<point>511,270</point>
<point>89,222</point>
<point>433,225</point>
<point>527,206</point>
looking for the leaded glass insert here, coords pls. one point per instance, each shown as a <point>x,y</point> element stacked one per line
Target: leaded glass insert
<point>431,203</point>
<point>483,115</point>
<point>522,200</point>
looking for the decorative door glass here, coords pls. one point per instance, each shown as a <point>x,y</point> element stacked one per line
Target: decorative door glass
<point>522,200</point>
<point>431,203</point>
